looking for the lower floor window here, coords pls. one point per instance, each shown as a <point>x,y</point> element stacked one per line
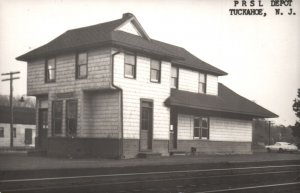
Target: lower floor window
<point>14,132</point>
<point>57,109</point>
<point>201,129</point>
<point>1,132</point>
<point>28,136</point>
<point>71,118</point>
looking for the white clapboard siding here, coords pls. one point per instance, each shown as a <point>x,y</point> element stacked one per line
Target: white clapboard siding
<point>19,140</point>
<point>141,88</point>
<point>188,80</point>
<point>220,129</point>
<point>211,84</point>
<point>223,129</point>
<point>129,28</point>
<point>185,127</point>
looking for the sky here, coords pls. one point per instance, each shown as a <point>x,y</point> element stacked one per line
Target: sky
<point>260,54</point>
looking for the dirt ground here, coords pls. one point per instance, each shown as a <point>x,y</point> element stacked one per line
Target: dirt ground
<point>21,161</point>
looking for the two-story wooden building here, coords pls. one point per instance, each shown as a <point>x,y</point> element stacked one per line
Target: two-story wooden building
<point>109,90</point>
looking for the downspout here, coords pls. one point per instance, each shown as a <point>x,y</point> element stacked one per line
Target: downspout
<point>121,151</point>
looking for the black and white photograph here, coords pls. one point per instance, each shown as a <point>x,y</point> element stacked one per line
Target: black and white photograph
<point>149,96</point>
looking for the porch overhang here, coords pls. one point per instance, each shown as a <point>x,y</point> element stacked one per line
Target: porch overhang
<point>226,103</point>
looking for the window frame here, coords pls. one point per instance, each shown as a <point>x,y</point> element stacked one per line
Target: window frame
<point>78,66</point>
<point>173,77</point>
<point>54,118</point>
<point>201,127</point>
<point>47,74</point>
<point>133,65</point>
<point>25,141</point>
<point>14,132</point>
<point>2,133</point>
<point>144,104</point>
<point>156,70</point>
<point>202,83</point>
<point>67,119</point>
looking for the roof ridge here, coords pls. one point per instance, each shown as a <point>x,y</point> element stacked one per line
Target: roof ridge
<point>95,25</point>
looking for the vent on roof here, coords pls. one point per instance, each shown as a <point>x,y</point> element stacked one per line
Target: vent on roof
<point>127,15</point>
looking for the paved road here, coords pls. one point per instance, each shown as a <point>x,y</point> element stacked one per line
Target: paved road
<point>238,177</point>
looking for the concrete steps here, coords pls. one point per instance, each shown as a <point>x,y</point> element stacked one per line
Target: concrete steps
<point>177,153</point>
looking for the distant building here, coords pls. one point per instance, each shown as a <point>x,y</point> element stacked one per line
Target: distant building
<point>109,90</point>
<point>23,127</point>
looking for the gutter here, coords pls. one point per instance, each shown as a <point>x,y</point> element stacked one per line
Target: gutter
<point>121,151</point>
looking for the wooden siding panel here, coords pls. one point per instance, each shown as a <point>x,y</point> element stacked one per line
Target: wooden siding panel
<point>220,129</point>
<point>188,80</point>
<point>211,84</point>
<point>99,74</point>
<point>36,78</point>
<point>101,115</point>
<point>141,87</point>
<point>185,124</point>
<point>19,140</point>
<point>223,129</point>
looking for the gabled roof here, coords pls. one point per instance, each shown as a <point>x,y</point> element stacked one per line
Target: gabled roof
<point>227,101</point>
<point>105,34</point>
<point>22,115</point>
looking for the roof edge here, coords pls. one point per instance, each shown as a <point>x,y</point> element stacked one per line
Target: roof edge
<point>224,111</point>
<point>220,73</point>
<point>112,43</point>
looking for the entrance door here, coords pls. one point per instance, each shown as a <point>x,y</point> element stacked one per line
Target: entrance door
<point>173,130</point>
<point>146,128</point>
<point>43,129</point>
<point>28,136</point>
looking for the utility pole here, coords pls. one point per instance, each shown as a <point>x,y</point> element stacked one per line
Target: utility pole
<point>270,132</point>
<point>10,79</point>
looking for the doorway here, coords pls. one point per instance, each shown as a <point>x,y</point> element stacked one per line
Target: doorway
<point>146,125</point>
<point>43,129</point>
<point>173,129</point>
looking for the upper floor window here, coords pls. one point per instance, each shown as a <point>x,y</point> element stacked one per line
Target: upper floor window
<point>174,77</point>
<point>1,131</point>
<point>71,117</point>
<point>82,65</point>
<point>202,83</point>
<point>57,113</point>
<point>155,67</point>
<point>130,66</point>
<point>201,130</point>
<point>50,70</point>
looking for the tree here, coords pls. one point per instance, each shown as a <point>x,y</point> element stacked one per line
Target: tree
<point>28,101</point>
<point>296,108</point>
